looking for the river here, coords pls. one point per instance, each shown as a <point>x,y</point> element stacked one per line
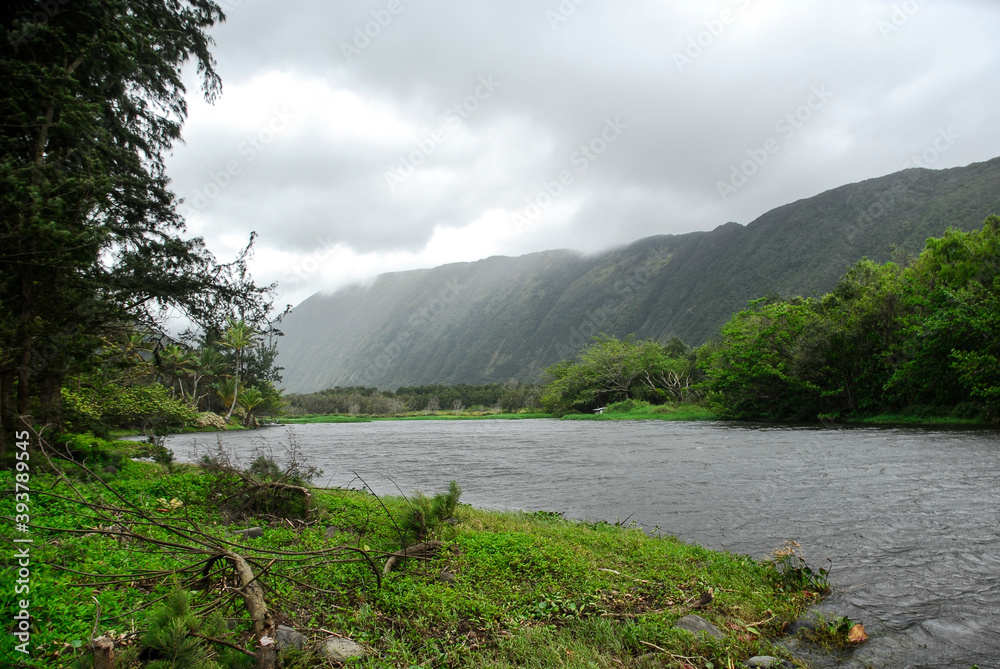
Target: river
<point>909,518</point>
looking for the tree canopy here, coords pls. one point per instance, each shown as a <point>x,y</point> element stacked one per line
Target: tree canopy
<point>611,370</point>
<point>91,244</point>
<point>921,337</point>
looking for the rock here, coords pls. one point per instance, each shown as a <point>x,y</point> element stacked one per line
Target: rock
<point>446,576</point>
<point>339,649</point>
<point>332,531</point>
<point>648,661</point>
<point>110,469</point>
<point>251,532</point>
<point>696,624</point>
<point>800,626</point>
<point>766,661</point>
<point>286,637</point>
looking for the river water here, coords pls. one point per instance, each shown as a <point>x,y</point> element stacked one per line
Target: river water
<point>910,518</point>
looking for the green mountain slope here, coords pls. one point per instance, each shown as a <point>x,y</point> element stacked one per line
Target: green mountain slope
<point>504,318</point>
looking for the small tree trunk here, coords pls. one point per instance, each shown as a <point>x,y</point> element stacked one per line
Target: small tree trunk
<point>104,653</point>
<point>236,387</point>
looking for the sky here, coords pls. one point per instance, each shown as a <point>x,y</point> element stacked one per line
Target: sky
<point>370,136</point>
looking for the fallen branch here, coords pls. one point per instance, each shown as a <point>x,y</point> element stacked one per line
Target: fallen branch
<point>423,550</point>
<point>253,598</point>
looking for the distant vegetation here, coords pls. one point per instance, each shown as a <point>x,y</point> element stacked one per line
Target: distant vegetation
<point>918,338</point>
<point>913,339</point>
<point>145,381</point>
<point>502,319</point>
<point>368,401</point>
<point>611,370</point>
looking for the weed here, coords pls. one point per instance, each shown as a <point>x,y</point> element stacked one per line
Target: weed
<point>794,574</point>
<point>839,633</point>
<point>561,607</point>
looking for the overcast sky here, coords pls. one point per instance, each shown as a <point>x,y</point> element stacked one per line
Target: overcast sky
<point>377,135</point>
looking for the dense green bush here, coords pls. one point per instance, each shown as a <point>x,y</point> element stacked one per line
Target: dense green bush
<point>919,338</point>
<point>611,370</point>
<point>142,406</point>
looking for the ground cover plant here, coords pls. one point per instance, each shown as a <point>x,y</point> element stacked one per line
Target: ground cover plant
<point>155,557</point>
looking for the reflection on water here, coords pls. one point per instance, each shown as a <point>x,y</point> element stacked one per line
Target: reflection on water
<point>910,518</point>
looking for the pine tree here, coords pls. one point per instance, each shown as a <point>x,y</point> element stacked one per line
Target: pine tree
<point>90,239</point>
<point>170,641</point>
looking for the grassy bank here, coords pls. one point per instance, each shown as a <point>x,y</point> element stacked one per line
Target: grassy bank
<point>421,415</point>
<point>629,410</point>
<point>910,420</point>
<point>503,590</point>
<point>634,410</point>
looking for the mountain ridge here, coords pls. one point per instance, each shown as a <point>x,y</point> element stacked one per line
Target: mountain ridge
<point>507,318</point>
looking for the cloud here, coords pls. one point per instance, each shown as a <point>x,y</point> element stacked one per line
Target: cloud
<point>393,134</point>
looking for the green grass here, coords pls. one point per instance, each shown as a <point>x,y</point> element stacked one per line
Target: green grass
<point>904,419</point>
<point>329,418</point>
<point>639,411</point>
<point>530,589</point>
<point>635,410</point>
<point>445,415</point>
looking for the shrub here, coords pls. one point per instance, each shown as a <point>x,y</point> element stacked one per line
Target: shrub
<point>424,514</point>
<point>125,406</point>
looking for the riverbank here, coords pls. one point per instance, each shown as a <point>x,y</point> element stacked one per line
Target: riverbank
<point>645,411</point>
<point>431,415</point>
<point>640,411</point>
<point>637,411</point>
<point>501,589</point>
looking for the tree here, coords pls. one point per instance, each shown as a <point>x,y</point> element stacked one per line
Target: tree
<point>613,365</point>
<point>228,392</point>
<point>951,324</point>
<point>610,369</point>
<point>250,400</point>
<point>239,337</point>
<point>205,364</point>
<point>751,371</point>
<point>920,338</point>
<point>90,239</point>
<point>847,351</point>
<point>669,372</point>
<point>175,361</point>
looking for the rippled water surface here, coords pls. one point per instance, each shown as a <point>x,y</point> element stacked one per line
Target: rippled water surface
<point>910,518</point>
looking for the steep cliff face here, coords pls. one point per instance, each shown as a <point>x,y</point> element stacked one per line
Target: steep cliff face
<point>508,318</point>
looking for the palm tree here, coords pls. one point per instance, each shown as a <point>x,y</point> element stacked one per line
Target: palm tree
<point>134,344</point>
<point>175,359</point>
<point>227,390</point>
<point>250,400</point>
<point>239,336</point>
<point>206,363</point>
